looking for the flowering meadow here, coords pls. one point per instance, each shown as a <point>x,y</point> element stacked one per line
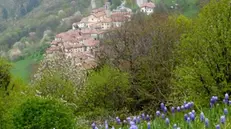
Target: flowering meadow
<point>217,116</point>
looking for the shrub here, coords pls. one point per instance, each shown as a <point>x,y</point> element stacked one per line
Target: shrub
<point>106,90</point>
<point>39,113</point>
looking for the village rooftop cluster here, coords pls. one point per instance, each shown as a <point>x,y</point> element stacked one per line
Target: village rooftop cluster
<point>82,42</point>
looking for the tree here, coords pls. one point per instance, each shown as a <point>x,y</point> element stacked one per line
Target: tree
<point>32,4</point>
<point>106,89</point>
<point>4,14</point>
<point>146,53</point>
<point>59,78</point>
<point>22,11</point>
<point>115,3</point>
<point>204,54</point>
<point>40,113</point>
<point>5,76</point>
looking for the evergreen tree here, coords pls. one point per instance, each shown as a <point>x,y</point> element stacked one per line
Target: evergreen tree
<point>4,14</point>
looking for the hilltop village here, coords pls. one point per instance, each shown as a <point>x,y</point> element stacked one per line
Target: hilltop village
<point>81,44</point>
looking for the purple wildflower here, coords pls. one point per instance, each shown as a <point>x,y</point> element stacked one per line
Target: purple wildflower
<point>149,125</point>
<point>218,127</point>
<point>157,113</point>
<point>222,119</point>
<point>165,109</point>
<point>226,96</point>
<point>133,127</point>
<point>138,119</point>
<point>93,125</point>
<point>143,116</point>
<point>185,117</point>
<point>118,120</point>
<point>167,121</point>
<point>206,122</point>
<point>186,106</point>
<point>188,120</point>
<point>162,116</point>
<point>226,111</point>
<point>162,106</point>
<point>202,117</point>
<point>172,109</point>
<point>106,125</point>
<point>230,102</point>
<point>182,107</point>
<point>192,116</point>
<point>178,109</point>
<point>147,118</point>
<point>129,119</point>
<point>174,126</point>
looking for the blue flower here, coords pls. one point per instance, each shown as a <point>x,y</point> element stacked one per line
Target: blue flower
<point>93,125</point>
<point>222,119</point>
<point>106,125</point>
<point>230,102</point>
<point>133,127</point>
<point>174,126</point>
<point>192,116</point>
<point>158,113</point>
<point>117,120</point>
<point>138,119</point>
<point>178,109</point>
<point>162,116</point>
<point>188,120</point>
<point>226,111</point>
<point>186,106</point>
<point>202,117</point>
<point>182,107</point>
<point>206,122</point>
<point>167,121</point>
<point>148,118</point>
<point>162,106</point>
<point>172,109</point>
<point>218,127</point>
<point>185,117</point>
<point>226,96</point>
<point>143,116</point>
<point>165,109</point>
<point>149,125</point>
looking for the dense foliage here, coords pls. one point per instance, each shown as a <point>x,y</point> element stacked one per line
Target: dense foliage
<point>42,113</point>
<point>204,54</point>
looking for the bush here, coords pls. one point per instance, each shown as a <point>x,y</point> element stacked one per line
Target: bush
<point>106,90</point>
<point>39,113</point>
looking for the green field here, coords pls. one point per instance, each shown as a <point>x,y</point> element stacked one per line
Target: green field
<point>23,68</point>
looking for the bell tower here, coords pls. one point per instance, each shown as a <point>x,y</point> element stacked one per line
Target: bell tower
<point>93,4</point>
<point>107,7</point>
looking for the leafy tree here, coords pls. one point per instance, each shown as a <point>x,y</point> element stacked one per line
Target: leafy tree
<point>22,11</point>
<point>146,52</point>
<point>4,14</point>
<point>59,78</point>
<point>204,54</point>
<point>115,3</point>
<point>5,76</point>
<point>40,113</point>
<point>32,4</point>
<point>106,89</point>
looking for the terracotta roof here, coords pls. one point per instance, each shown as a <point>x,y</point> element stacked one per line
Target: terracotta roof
<point>54,42</point>
<point>106,20</point>
<point>99,14</point>
<point>98,10</point>
<point>91,42</point>
<point>149,5</point>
